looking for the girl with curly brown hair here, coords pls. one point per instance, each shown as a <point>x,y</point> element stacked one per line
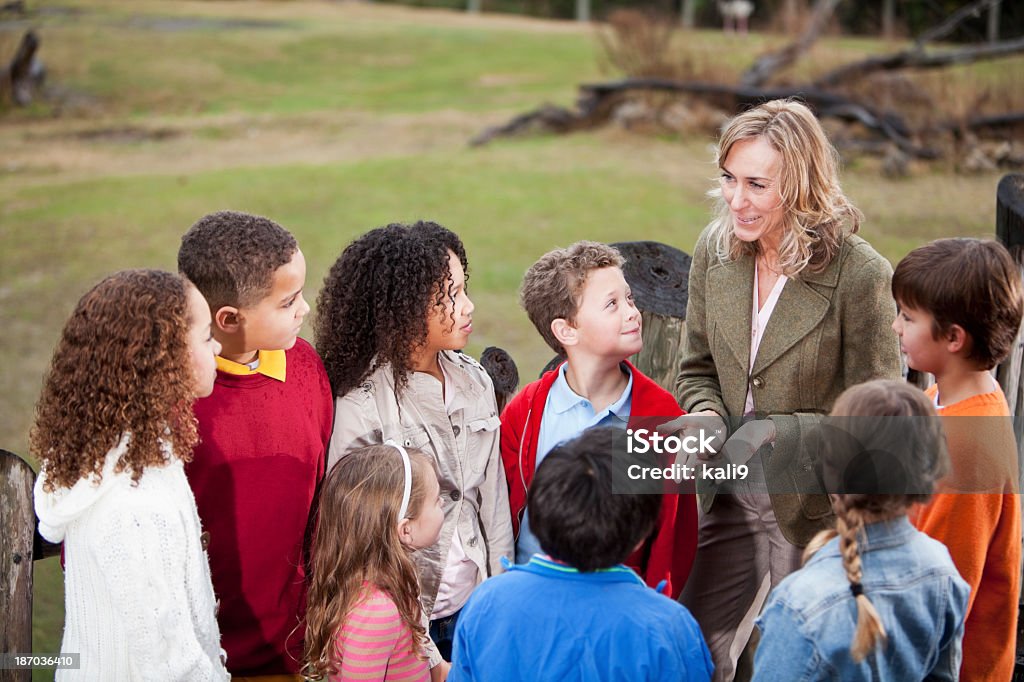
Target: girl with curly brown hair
<point>113,429</point>
<point>876,599</point>
<point>363,619</point>
<point>392,318</point>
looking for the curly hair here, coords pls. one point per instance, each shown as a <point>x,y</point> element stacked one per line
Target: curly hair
<point>121,368</point>
<point>231,257</point>
<point>377,299</point>
<point>818,215</point>
<point>553,286</point>
<point>357,542</point>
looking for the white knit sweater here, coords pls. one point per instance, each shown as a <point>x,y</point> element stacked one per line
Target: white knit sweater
<point>139,604</point>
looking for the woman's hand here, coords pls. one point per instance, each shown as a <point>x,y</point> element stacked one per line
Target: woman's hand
<point>747,440</point>
<point>704,423</point>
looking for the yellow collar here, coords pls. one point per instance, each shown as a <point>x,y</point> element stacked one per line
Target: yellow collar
<point>272,364</point>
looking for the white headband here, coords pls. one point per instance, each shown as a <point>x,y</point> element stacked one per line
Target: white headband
<point>408,478</point>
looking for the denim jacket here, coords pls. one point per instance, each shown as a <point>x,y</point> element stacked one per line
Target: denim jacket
<point>808,624</point>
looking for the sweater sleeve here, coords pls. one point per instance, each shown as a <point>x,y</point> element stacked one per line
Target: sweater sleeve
<point>870,348</point>
<point>143,567</point>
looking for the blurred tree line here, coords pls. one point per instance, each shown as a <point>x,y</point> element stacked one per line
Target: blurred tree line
<point>857,17</point>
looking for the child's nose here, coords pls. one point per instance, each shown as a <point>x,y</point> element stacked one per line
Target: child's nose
<point>469,305</point>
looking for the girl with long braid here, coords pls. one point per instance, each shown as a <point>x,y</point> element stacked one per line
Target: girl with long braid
<point>876,598</point>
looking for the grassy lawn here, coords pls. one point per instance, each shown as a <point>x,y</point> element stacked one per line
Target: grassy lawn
<point>334,118</point>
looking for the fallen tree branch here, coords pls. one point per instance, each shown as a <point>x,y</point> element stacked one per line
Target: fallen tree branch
<point>768,65</point>
<point>915,59</point>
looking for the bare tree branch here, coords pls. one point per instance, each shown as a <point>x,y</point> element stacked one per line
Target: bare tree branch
<point>768,65</point>
<point>952,21</point>
<point>915,59</point>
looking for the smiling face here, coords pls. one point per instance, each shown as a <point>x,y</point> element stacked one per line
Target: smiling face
<point>750,187</point>
<point>274,323</point>
<point>448,328</point>
<point>607,322</point>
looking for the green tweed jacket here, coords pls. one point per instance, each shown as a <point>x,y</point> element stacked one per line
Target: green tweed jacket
<point>830,330</point>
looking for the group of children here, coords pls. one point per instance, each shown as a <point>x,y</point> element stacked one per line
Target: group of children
<point>232,499</point>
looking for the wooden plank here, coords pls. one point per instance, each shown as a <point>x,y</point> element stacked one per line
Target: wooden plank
<point>17,528</point>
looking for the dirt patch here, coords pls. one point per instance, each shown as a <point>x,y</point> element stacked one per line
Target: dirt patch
<point>186,23</point>
<point>125,134</point>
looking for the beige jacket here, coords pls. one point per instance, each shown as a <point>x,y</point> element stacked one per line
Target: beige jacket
<point>465,448</point>
<point>830,330</point>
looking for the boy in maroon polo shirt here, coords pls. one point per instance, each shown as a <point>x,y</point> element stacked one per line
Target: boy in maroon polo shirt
<point>263,432</point>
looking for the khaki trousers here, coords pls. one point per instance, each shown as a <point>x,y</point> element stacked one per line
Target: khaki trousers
<point>741,556</point>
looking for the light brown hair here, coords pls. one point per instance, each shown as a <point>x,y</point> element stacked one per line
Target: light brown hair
<point>817,213</point>
<point>121,368</point>
<point>231,257</point>
<point>357,541</point>
<point>972,283</point>
<point>920,441</point>
<point>553,286</point>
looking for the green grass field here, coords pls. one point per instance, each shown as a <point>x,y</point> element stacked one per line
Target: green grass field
<point>334,118</point>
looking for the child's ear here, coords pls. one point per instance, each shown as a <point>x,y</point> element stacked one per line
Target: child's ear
<point>405,532</point>
<point>226,319</point>
<point>957,339</point>
<point>566,334</point>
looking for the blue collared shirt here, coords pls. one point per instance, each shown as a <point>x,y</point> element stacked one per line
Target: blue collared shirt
<point>567,415</point>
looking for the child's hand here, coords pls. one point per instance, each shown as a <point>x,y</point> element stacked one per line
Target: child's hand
<point>439,673</point>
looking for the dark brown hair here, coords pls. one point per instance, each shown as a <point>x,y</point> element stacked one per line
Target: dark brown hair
<point>357,541</point>
<point>377,299</point>
<point>972,283</point>
<point>576,515</point>
<point>553,286</point>
<point>921,441</point>
<point>231,257</point>
<point>121,368</point>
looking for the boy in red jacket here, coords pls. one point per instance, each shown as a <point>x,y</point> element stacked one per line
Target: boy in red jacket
<point>579,301</point>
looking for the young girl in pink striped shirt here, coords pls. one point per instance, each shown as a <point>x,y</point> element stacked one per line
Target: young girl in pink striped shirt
<point>363,619</point>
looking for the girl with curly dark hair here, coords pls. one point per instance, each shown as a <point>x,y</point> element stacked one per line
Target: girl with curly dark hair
<point>113,429</point>
<point>392,318</point>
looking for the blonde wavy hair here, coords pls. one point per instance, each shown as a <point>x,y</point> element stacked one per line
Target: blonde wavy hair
<point>818,216</point>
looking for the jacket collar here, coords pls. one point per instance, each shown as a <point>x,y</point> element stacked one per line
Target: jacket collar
<point>801,308</point>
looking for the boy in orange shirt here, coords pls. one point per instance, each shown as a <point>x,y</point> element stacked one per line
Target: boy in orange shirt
<point>959,309</point>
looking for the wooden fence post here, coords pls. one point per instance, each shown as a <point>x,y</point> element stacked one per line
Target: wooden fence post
<point>1010,231</point>
<point>17,530</point>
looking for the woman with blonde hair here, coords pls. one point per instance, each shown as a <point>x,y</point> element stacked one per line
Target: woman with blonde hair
<point>788,307</point>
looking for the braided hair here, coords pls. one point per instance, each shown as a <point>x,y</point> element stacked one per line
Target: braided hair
<point>921,447</point>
